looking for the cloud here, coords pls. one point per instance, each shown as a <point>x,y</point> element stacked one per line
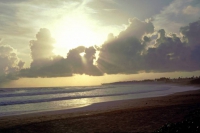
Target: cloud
<point>122,54</point>
<point>63,67</point>
<point>177,14</point>
<point>42,48</point>
<point>10,64</point>
<point>129,53</point>
<point>57,67</point>
<point>168,54</point>
<point>191,36</point>
<point>46,64</point>
<point>137,29</point>
<point>191,33</point>
<point>12,1</point>
<point>190,10</point>
<point>84,64</point>
<point>18,23</point>
<point>116,12</point>
<point>137,48</point>
<point>107,11</point>
<point>11,24</point>
<point>9,60</point>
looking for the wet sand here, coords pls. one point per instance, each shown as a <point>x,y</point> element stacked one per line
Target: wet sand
<point>139,115</point>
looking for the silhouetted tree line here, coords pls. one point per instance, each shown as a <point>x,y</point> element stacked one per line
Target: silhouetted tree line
<point>192,80</point>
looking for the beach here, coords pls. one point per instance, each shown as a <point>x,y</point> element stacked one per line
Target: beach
<point>99,66</point>
<point>136,115</point>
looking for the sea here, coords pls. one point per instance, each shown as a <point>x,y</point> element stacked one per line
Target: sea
<point>16,101</point>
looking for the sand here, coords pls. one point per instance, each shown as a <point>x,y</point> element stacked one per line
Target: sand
<point>139,115</point>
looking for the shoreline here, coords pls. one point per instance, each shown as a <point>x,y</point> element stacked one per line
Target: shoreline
<point>188,100</point>
<point>88,107</point>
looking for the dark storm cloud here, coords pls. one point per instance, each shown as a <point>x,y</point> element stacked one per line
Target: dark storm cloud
<point>55,68</point>
<point>191,36</point>
<point>191,33</point>
<point>168,54</point>
<point>83,64</point>
<point>138,48</point>
<point>122,54</point>
<point>128,53</point>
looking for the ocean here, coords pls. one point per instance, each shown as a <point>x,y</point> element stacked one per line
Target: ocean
<point>15,101</point>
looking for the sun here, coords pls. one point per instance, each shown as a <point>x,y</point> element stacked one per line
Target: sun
<point>76,30</point>
<point>82,54</point>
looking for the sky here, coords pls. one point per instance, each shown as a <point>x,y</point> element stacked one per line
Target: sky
<point>89,42</point>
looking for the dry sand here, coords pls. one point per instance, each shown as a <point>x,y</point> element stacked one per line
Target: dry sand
<point>140,115</point>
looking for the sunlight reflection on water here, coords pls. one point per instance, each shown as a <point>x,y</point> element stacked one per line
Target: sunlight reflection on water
<point>76,103</point>
<point>12,103</point>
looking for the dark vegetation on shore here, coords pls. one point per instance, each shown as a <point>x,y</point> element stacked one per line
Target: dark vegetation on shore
<point>195,81</point>
<point>188,80</point>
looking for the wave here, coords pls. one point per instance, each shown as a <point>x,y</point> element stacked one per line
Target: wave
<point>45,92</point>
<point>6,103</point>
